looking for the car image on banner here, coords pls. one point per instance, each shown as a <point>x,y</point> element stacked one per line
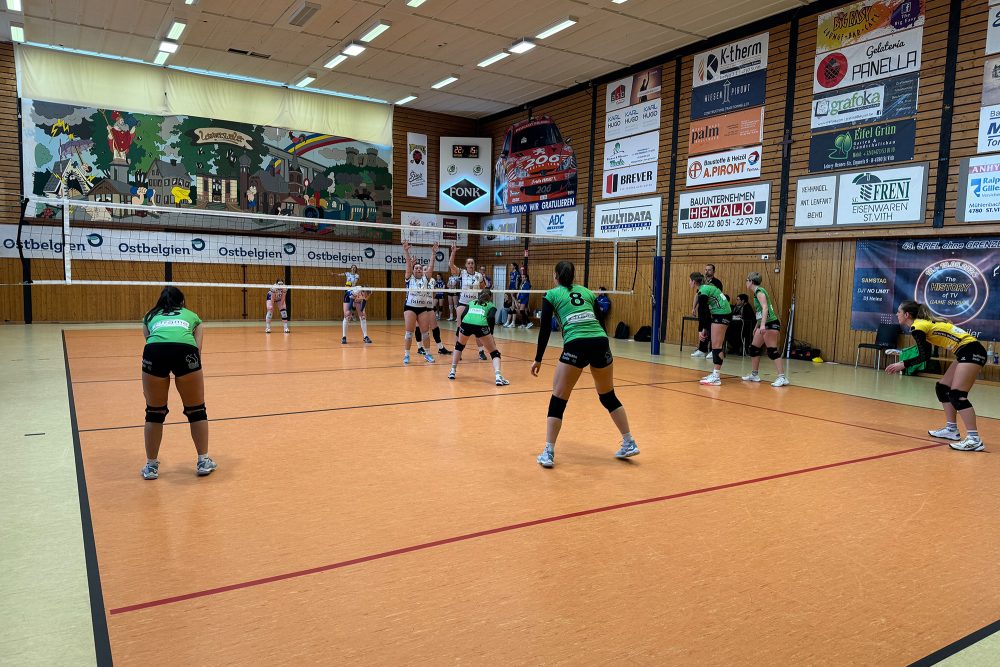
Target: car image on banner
<point>536,169</point>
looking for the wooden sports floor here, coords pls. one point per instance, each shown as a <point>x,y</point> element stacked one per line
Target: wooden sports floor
<point>364,512</point>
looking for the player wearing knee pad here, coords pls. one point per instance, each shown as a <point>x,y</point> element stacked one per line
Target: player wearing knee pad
<point>276,298</point>
<point>714,316</point>
<point>765,334</point>
<point>475,322</point>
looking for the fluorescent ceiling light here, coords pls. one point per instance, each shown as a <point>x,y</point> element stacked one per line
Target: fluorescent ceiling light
<point>353,49</point>
<point>169,47</point>
<point>176,29</point>
<point>408,98</point>
<point>377,29</point>
<point>619,2</point>
<point>568,22</point>
<point>190,2</point>
<point>336,60</point>
<point>306,80</point>
<point>444,82</point>
<point>161,57</point>
<point>492,59</point>
<point>415,3</point>
<point>16,32</point>
<point>521,46</point>
<point>14,5</point>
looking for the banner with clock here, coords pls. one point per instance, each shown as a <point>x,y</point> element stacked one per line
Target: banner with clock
<point>465,174</point>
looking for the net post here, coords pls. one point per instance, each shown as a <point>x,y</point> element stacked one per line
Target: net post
<point>614,269</point>
<point>66,245</point>
<point>654,341</point>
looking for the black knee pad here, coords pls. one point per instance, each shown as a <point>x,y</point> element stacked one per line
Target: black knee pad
<point>942,392</point>
<point>416,333</point>
<point>495,354</point>
<point>156,415</point>
<point>557,406</point>
<point>459,346</point>
<point>772,353</point>
<point>437,334</point>
<point>195,413</point>
<point>284,314</point>
<point>959,399</point>
<point>717,356</point>
<point>755,351</point>
<point>610,401</point>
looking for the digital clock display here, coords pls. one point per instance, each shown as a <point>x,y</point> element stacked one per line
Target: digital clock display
<point>465,151</point>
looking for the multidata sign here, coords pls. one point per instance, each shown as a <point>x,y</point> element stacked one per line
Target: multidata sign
<point>868,19</point>
<point>989,129</point>
<point>560,223</point>
<point>466,175</point>
<point>739,92</point>
<point>742,209</point>
<point>861,63</point>
<point>886,100</point>
<point>733,59</point>
<point>632,218</point>
<point>631,120</point>
<point>816,202</point>
<point>883,196</point>
<point>979,189</point>
<point>428,229</point>
<point>742,164</point>
<point>142,246</point>
<point>501,228</point>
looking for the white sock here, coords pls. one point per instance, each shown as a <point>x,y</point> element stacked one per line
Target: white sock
<point>951,426</point>
<point>152,461</point>
<point>202,457</point>
<point>627,437</point>
<point>496,365</point>
<point>364,328</point>
<point>973,434</point>
<point>345,328</point>
<point>267,318</point>
<point>550,446</point>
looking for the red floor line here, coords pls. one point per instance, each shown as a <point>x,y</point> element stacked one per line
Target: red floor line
<point>502,529</point>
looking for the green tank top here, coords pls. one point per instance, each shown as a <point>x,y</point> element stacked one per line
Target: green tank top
<point>770,306</point>
<point>717,302</point>
<point>478,314</point>
<point>575,309</point>
<point>173,327</point>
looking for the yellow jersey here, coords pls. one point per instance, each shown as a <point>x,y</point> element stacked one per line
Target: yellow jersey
<point>943,334</point>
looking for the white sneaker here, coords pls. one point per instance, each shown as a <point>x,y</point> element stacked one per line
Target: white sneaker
<point>782,381</point>
<point>712,379</point>
<point>753,377</point>
<point>698,354</point>
<point>945,433</point>
<point>970,444</point>
<point>287,330</point>
<point>267,329</point>
<point>529,325</point>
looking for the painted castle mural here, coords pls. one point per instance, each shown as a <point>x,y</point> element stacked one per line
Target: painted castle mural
<point>113,155</point>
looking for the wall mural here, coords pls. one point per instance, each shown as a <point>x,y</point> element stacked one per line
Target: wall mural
<point>113,155</point>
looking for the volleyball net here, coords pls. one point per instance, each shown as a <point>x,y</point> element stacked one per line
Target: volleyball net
<point>84,242</point>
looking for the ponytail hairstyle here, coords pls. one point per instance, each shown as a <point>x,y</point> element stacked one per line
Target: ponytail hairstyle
<point>565,272</point>
<point>755,278</point>
<point>485,295</point>
<point>170,303</point>
<point>920,311</point>
<point>698,278</point>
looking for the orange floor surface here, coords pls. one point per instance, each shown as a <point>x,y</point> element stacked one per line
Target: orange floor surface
<point>364,512</point>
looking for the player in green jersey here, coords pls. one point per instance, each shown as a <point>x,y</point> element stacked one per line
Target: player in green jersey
<point>765,333</point>
<point>584,344</point>
<point>714,316</point>
<point>475,321</point>
<point>173,345</point>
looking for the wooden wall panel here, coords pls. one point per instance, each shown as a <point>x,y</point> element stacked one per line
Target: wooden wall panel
<point>88,303</point>
<point>11,294</point>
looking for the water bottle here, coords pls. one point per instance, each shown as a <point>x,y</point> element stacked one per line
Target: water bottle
<point>993,354</point>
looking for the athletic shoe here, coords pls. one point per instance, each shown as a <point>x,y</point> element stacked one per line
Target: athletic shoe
<point>451,374</point>
<point>267,329</point>
<point>421,350</point>
<point>367,340</point>
<point>287,330</point>
<point>712,379</point>
<point>451,318</point>
<point>443,350</point>
<point>428,358</point>
<point>406,358</point>
<point>206,466</point>
<point>529,325</point>
<point>970,444</point>
<point>343,341</point>
<point>698,354</point>
<point>501,382</point>
<point>522,326</point>
<point>945,433</point>
<point>547,458</point>
<point>151,470</point>
<point>482,355</point>
<point>753,377</point>
<point>627,449</point>
<point>782,381</point>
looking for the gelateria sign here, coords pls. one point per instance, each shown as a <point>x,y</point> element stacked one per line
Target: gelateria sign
<point>221,135</point>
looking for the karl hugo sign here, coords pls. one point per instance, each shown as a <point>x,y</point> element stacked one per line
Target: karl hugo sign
<point>632,105</point>
<point>886,100</point>
<point>868,61</point>
<point>742,209</point>
<point>733,59</point>
<point>627,219</point>
<point>884,196</point>
<point>742,164</point>
<point>740,128</point>
<point>863,146</point>
<point>979,189</point>
<point>868,19</point>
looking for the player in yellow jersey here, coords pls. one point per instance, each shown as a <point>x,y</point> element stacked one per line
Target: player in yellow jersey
<point>953,388</point>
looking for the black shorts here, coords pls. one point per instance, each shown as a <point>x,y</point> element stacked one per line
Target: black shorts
<point>416,309</point>
<point>722,319</point>
<point>470,330</point>
<point>773,325</point>
<point>584,352</point>
<point>348,298</point>
<point>971,353</point>
<point>162,359</point>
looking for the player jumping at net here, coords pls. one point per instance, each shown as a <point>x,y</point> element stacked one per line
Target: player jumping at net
<point>479,313</point>
<point>351,279</point>
<point>419,308</point>
<point>953,388</point>
<point>471,281</point>
<point>276,296</point>
<point>714,316</point>
<point>584,344</point>
<point>765,333</point>
<point>359,300</point>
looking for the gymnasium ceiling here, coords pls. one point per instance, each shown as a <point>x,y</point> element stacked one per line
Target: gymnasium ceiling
<point>423,45</point>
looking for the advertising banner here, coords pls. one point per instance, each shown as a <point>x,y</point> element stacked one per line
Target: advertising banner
<point>865,146</point>
<point>416,177</point>
<point>989,129</point>
<point>635,119</point>
<point>465,176</point>
<point>89,243</point>
<point>731,130</point>
<point>887,100</point>
<point>816,202</point>
<point>869,19</point>
<point>861,63</point>
<point>560,223</point>
<point>733,59</point>
<point>884,196</point>
<point>502,225</point>
<point>428,228</point>
<point>742,209</point>
<point>739,92</point>
<point>991,82</point>
<point>536,169</point>
<point>742,164</point>
<point>958,279</point>
<point>633,90</point>
<point>993,30</point>
<point>631,151</point>
<point>637,180</point>
<point>633,218</point>
<point>979,189</point>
